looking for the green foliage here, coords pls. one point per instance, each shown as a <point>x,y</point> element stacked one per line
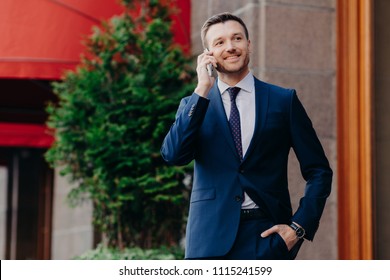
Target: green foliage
<point>113,113</point>
<point>103,253</point>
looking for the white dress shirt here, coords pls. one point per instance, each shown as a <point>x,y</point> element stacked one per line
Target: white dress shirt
<point>247,108</point>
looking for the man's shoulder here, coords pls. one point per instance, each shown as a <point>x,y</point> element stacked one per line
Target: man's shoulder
<point>273,88</point>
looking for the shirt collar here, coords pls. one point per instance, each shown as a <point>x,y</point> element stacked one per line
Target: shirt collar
<point>246,84</point>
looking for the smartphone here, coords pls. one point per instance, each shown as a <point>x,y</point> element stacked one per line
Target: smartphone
<point>210,68</point>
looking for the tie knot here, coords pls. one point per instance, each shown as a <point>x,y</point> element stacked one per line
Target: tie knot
<point>233,91</point>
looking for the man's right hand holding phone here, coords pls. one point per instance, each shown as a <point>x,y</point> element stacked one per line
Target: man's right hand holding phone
<point>205,81</point>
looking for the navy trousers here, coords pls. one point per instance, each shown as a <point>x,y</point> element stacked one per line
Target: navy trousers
<point>249,245</point>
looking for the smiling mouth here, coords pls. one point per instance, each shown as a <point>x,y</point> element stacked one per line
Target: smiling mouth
<point>234,57</point>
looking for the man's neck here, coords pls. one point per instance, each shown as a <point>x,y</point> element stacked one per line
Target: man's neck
<point>233,78</point>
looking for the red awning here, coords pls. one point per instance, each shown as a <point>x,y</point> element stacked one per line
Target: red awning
<point>41,38</point>
<point>24,135</point>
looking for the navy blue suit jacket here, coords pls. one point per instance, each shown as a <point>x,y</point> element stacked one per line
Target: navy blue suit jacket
<point>201,133</point>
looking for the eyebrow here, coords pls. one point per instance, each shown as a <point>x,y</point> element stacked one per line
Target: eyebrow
<point>234,34</point>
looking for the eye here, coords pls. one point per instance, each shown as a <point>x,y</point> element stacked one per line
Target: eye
<point>218,43</point>
<point>238,38</point>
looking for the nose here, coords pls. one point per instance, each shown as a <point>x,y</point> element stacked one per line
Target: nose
<point>230,46</point>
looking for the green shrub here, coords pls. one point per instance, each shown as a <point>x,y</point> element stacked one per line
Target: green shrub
<point>113,113</point>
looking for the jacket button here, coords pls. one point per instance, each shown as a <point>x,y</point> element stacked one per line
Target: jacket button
<point>238,198</point>
<point>241,171</point>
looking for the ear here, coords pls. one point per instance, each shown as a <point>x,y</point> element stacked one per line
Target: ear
<point>204,43</point>
<point>249,46</point>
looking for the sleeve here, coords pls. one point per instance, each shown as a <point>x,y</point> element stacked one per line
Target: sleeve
<point>314,167</point>
<point>178,147</point>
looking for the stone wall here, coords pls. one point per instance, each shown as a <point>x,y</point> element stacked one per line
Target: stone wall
<point>294,46</point>
<point>3,210</point>
<point>72,232</point>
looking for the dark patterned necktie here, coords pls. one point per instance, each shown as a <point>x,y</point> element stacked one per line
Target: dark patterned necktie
<point>234,119</point>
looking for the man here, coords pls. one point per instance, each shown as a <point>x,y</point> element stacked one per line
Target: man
<point>239,131</point>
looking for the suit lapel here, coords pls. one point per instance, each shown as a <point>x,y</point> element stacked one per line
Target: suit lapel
<point>261,99</point>
<point>216,102</point>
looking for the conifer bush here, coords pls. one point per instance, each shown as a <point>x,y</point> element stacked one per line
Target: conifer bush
<point>109,123</point>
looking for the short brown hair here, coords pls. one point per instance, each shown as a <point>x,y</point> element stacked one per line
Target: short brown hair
<point>220,18</point>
